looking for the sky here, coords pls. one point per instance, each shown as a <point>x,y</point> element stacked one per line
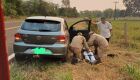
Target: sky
<point>93,4</point>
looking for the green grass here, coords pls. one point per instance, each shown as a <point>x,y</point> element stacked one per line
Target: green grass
<point>40,71</point>
<point>133,34</point>
<point>59,71</point>
<point>132,71</point>
<point>16,73</point>
<point>71,21</point>
<point>67,75</point>
<point>118,33</point>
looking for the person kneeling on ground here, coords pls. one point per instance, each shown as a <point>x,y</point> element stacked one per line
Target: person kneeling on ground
<point>100,42</point>
<point>76,46</point>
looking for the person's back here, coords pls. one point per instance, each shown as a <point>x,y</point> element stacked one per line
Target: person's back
<point>103,43</point>
<point>100,40</point>
<point>77,42</point>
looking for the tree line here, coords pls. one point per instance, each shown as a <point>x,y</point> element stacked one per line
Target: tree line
<point>16,8</point>
<point>108,13</point>
<point>132,9</point>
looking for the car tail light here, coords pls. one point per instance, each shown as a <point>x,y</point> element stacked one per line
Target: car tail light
<point>61,39</point>
<point>18,37</point>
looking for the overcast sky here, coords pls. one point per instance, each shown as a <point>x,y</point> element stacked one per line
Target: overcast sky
<point>92,4</point>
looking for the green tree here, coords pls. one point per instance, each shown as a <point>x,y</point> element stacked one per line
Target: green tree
<point>40,7</point>
<point>91,14</point>
<point>13,8</point>
<point>66,3</point>
<point>18,6</point>
<point>122,13</point>
<point>68,12</point>
<point>37,8</point>
<point>97,13</point>
<point>132,7</point>
<point>108,13</point>
<point>75,12</point>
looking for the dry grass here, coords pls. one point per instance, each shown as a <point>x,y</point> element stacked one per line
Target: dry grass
<point>109,69</point>
<point>20,18</point>
<point>133,34</point>
<point>132,71</point>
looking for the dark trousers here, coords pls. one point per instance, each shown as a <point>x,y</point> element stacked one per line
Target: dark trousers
<point>108,39</point>
<point>95,44</point>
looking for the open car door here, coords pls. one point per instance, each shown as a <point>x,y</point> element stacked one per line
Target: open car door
<point>82,26</point>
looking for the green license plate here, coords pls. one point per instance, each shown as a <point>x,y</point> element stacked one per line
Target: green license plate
<point>42,51</point>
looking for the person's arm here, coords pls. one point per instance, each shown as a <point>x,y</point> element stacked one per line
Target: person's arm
<point>98,27</point>
<point>91,40</point>
<point>85,44</point>
<point>110,30</point>
<point>110,27</point>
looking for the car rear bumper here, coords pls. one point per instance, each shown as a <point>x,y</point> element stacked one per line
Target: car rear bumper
<point>57,49</point>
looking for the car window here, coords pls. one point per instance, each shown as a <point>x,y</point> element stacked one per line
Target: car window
<point>81,26</point>
<point>41,25</point>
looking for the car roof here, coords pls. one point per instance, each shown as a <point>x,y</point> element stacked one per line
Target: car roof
<point>46,18</point>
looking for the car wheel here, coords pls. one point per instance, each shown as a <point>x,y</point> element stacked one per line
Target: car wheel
<point>64,59</point>
<point>21,57</point>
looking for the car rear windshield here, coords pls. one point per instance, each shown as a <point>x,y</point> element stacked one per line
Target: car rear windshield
<point>41,25</point>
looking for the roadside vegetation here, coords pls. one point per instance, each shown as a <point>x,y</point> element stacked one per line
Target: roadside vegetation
<point>48,8</point>
<point>9,19</point>
<point>125,63</point>
<point>132,71</point>
<point>38,7</point>
<point>113,68</point>
<point>40,71</point>
<point>133,36</point>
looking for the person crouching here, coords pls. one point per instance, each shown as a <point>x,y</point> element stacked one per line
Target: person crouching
<point>100,42</point>
<point>76,46</point>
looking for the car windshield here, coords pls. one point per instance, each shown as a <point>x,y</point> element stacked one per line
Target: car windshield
<point>41,25</point>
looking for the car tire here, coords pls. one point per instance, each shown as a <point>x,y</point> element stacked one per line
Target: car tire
<point>64,59</point>
<point>21,57</point>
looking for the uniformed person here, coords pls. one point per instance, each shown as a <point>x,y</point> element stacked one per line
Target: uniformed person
<point>98,41</point>
<point>77,44</point>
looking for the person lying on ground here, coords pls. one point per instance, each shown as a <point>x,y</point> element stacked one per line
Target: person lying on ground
<point>100,42</point>
<point>77,44</point>
<point>89,57</point>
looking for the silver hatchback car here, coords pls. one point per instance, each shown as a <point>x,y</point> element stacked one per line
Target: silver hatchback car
<point>41,35</point>
<point>46,36</point>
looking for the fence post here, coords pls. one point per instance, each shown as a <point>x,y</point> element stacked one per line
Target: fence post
<point>125,33</point>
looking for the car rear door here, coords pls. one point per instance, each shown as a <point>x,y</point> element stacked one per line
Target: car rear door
<point>82,26</point>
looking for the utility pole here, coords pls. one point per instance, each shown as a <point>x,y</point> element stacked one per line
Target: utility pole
<point>116,2</point>
<point>4,66</point>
